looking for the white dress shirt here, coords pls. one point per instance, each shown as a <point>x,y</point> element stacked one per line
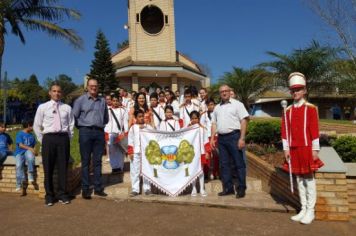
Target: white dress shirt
<point>184,110</point>
<point>160,112</point>
<point>44,119</point>
<point>227,116</point>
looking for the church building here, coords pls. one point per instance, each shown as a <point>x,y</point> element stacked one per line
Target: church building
<point>151,57</point>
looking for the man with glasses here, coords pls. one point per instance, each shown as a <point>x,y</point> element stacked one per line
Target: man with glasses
<point>91,114</point>
<point>229,121</point>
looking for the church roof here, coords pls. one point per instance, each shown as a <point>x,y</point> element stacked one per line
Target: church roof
<point>125,60</point>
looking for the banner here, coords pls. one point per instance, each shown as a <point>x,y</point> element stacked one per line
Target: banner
<point>171,160</point>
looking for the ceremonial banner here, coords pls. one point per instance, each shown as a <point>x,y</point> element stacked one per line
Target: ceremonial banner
<point>171,160</point>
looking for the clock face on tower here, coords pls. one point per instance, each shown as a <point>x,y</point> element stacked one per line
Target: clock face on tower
<point>152,19</point>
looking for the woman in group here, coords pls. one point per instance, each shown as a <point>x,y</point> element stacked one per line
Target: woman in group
<point>172,101</point>
<point>140,104</point>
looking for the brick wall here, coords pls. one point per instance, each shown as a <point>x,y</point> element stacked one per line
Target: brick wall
<point>351,190</point>
<point>332,197</point>
<point>8,180</point>
<point>336,196</point>
<point>338,128</point>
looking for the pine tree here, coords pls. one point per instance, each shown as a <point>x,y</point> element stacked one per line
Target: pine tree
<point>102,67</point>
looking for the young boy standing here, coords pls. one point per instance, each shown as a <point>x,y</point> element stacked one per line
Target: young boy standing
<point>25,153</point>
<point>116,129</point>
<point>300,137</point>
<point>5,143</point>
<point>134,153</point>
<point>157,110</point>
<point>187,107</point>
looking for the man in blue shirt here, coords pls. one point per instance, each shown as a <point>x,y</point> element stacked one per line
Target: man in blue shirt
<point>25,153</point>
<point>91,114</point>
<point>5,143</point>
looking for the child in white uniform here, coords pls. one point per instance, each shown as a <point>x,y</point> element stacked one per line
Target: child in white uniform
<point>134,153</point>
<point>194,119</point>
<point>116,129</point>
<point>170,123</point>
<point>187,108</point>
<point>157,110</point>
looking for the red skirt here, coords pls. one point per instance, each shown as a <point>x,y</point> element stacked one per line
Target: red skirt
<point>302,161</point>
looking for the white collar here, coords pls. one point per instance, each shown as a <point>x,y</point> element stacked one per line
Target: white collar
<point>299,103</point>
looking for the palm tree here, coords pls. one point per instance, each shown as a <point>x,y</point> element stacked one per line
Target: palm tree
<point>315,62</point>
<point>36,15</point>
<point>247,84</point>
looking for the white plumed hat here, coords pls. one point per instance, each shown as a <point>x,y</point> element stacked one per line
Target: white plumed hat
<point>296,80</point>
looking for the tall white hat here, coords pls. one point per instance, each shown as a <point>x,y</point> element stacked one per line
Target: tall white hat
<point>296,80</point>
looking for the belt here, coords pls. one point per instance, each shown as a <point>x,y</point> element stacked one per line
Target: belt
<point>58,134</point>
<point>231,133</point>
<point>91,127</point>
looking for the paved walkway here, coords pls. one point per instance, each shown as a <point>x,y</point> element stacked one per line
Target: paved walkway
<point>28,216</point>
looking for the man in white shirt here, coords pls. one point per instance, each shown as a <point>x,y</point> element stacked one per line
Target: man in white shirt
<point>229,121</point>
<point>53,127</point>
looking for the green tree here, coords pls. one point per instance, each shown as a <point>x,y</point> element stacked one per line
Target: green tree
<point>66,83</point>
<point>123,44</point>
<point>29,90</point>
<point>315,62</point>
<point>247,84</point>
<point>35,15</point>
<point>102,67</point>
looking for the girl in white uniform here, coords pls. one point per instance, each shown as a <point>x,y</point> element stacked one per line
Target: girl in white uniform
<point>170,123</point>
<point>205,149</point>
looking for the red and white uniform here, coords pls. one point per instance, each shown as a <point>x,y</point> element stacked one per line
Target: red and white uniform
<point>300,135</point>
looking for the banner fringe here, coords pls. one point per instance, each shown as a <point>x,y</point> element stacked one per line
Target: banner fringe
<point>166,191</point>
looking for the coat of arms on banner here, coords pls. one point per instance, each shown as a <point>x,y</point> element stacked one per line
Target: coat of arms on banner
<point>171,160</point>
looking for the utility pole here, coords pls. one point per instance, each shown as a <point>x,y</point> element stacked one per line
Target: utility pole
<point>5,96</point>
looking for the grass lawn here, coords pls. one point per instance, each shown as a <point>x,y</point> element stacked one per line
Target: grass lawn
<point>74,145</point>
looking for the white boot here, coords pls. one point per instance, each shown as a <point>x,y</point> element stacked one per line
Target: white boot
<point>303,200</point>
<point>194,190</point>
<point>201,183</point>
<point>311,200</point>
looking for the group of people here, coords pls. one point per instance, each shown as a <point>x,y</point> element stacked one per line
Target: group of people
<point>106,122</point>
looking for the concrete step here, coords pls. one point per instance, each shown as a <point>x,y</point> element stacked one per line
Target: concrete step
<point>253,185</point>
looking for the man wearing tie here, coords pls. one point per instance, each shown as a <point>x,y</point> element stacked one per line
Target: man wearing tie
<point>53,127</point>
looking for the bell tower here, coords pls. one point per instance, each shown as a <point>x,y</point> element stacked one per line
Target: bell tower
<point>152,30</point>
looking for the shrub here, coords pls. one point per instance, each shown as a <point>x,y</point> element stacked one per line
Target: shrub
<point>345,146</point>
<point>264,132</point>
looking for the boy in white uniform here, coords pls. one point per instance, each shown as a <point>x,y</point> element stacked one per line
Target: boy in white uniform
<point>157,110</point>
<point>134,153</point>
<point>187,108</point>
<point>116,129</point>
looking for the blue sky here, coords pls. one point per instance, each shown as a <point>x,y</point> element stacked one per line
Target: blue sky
<point>217,33</point>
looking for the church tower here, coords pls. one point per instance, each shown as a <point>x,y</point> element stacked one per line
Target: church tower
<point>152,30</point>
<point>151,59</point>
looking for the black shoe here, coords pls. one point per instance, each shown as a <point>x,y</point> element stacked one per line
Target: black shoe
<point>49,203</point>
<point>86,195</point>
<point>225,193</point>
<point>100,193</point>
<point>64,201</point>
<point>241,193</point>
<point>133,194</point>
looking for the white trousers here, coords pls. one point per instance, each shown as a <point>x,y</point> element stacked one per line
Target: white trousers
<point>135,166</point>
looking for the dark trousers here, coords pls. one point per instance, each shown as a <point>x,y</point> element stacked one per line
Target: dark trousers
<point>231,156</point>
<point>55,153</point>
<point>92,145</point>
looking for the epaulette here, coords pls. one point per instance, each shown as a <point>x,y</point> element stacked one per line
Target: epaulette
<point>289,107</point>
<point>310,105</point>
